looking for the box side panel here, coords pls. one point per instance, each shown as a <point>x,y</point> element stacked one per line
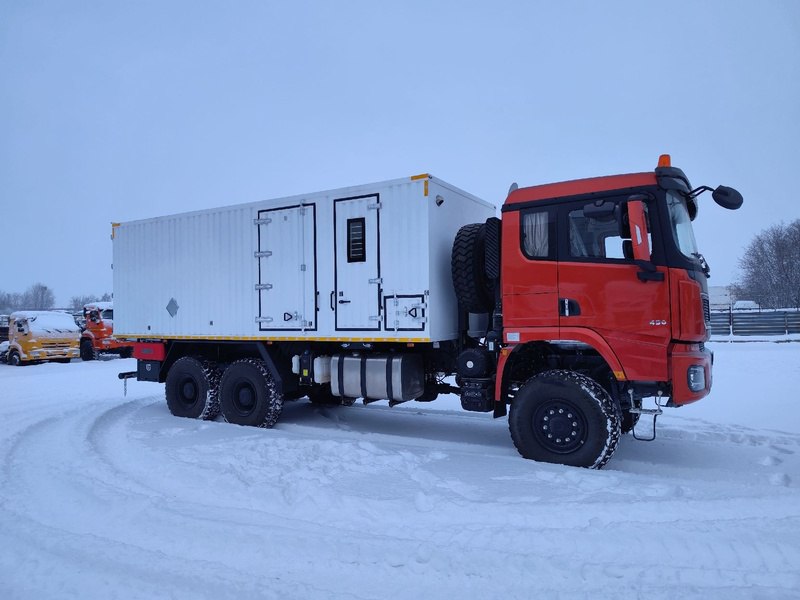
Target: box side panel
<point>207,263</point>
<point>187,275</point>
<point>404,261</point>
<point>452,211</point>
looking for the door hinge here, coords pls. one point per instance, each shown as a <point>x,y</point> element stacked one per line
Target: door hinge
<point>263,286</point>
<point>262,254</point>
<point>374,318</point>
<point>263,319</point>
<point>264,221</point>
<point>376,206</point>
<point>378,280</point>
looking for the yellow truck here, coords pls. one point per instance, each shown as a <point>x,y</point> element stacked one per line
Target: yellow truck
<point>42,335</point>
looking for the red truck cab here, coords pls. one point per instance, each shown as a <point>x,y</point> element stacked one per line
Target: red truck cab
<point>604,277</point>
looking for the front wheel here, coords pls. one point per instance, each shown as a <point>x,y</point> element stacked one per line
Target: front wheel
<point>87,350</point>
<point>14,359</point>
<point>565,418</point>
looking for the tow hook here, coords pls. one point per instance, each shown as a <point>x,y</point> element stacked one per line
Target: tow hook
<point>125,377</point>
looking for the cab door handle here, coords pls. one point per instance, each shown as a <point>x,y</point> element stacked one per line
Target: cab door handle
<point>567,307</point>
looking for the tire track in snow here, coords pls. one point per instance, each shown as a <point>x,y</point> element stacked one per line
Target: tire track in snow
<point>418,503</point>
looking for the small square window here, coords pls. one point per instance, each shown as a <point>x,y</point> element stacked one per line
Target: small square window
<point>356,240</point>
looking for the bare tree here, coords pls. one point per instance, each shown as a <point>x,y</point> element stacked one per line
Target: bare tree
<point>39,297</point>
<point>76,303</point>
<point>770,268</point>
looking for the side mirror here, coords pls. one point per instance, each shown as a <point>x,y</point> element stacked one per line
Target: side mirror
<point>638,225</point>
<point>640,243</point>
<point>727,197</point>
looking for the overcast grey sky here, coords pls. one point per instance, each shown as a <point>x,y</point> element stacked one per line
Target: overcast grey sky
<point>113,111</point>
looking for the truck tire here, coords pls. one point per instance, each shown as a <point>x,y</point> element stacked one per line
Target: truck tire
<point>13,359</point>
<point>467,263</point>
<point>565,418</point>
<point>87,350</point>
<point>248,394</point>
<point>192,388</point>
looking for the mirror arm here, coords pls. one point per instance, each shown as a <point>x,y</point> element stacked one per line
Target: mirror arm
<point>648,271</point>
<point>697,191</point>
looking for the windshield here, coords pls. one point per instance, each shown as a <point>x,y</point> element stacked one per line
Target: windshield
<point>681,225</point>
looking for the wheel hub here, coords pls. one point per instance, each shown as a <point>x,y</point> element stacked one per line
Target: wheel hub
<point>188,395</point>
<point>244,398</point>
<point>559,427</point>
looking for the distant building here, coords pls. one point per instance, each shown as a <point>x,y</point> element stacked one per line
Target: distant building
<point>719,297</point>
<point>746,305</point>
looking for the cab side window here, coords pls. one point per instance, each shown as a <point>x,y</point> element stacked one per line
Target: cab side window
<point>538,234</point>
<point>594,237</point>
<point>599,231</point>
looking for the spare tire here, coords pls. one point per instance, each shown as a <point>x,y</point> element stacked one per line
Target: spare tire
<point>468,265</point>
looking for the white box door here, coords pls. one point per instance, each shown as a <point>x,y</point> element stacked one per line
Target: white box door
<point>287,270</point>
<point>357,283</point>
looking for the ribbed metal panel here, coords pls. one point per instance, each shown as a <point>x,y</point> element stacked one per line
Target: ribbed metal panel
<point>756,323</point>
<point>197,274</point>
<point>203,261</point>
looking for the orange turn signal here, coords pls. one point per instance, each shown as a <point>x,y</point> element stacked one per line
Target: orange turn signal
<point>664,160</point>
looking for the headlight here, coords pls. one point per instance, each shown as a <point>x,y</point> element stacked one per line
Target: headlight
<point>696,377</point>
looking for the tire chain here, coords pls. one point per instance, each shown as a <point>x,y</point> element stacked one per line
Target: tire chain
<point>606,406</point>
<point>213,376</point>
<point>275,399</point>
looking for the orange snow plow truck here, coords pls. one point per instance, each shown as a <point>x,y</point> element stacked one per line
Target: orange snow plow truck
<point>585,298</point>
<point>98,333</point>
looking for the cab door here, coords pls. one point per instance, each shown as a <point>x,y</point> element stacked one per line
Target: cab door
<point>356,295</point>
<point>530,270</point>
<point>600,287</point>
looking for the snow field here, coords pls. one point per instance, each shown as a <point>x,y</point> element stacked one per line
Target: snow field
<point>105,496</point>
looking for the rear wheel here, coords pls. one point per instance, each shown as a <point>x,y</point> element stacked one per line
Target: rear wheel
<point>249,395</point>
<point>14,359</point>
<point>566,418</point>
<point>192,388</point>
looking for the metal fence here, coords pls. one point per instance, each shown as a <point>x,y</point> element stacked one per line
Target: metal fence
<point>755,323</point>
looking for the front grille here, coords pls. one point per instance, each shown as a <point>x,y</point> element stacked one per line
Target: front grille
<point>706,308</point>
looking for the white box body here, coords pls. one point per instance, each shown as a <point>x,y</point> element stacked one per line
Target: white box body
<point>364,263</point>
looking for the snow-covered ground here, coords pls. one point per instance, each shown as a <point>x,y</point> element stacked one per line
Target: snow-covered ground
<point>105,496</point>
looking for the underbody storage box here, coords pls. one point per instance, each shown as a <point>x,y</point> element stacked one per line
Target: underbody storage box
<point>364,263</point>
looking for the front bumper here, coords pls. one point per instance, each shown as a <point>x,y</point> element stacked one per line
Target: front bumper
<point>690,366</point>
<point>50,353</point>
